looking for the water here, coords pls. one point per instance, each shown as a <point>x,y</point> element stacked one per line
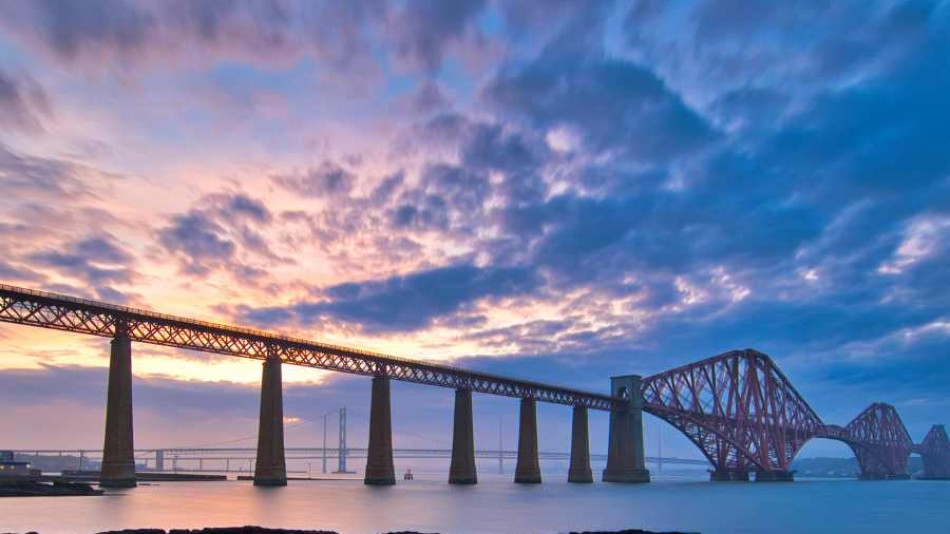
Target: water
<point>496,505</point>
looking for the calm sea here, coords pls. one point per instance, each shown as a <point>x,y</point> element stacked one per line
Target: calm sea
<point>496,505</point>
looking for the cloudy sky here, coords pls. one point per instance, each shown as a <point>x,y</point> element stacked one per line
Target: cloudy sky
<point>561,190</point>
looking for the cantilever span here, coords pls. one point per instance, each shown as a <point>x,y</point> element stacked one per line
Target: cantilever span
<point>745,415</point>
<point>61,312</point>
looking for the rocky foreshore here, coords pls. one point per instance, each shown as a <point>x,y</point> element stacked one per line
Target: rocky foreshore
<point>38,488</point>
<point>262,530</point>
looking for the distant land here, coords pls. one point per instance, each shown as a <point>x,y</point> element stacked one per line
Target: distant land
<point>840,467</point>
<point>804,467</point>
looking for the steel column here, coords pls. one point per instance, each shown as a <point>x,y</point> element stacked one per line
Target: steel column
<point>379,454</point>
<point>118,456</point>
<point>462,469</point>
<point>270,468</point>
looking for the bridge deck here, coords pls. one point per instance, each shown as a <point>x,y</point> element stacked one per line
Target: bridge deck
<point>61,312</point>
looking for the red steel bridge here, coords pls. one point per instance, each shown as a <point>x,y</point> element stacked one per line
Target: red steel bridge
<point>738,408</point>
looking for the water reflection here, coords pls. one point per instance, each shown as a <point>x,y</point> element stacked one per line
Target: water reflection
<point>496,505</point>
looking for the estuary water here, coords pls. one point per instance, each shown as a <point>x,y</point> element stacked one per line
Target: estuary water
<point>496,505</point>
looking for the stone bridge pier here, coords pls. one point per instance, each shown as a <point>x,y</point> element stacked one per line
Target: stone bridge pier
<point>271,469</point>
<point>379,453</point>
<point>462,469</point>
<point>118,456</point>
<point>626,459</point>
<point>528,469</point>
<point>579,470</point>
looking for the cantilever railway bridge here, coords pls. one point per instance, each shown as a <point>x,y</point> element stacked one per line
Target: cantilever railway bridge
<point>738,408</point>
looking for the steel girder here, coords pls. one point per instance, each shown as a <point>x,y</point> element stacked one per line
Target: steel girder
<point>49,310</point>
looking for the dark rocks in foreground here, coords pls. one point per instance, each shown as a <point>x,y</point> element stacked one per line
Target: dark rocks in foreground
<point>225,530</point>
<point>37,488</point>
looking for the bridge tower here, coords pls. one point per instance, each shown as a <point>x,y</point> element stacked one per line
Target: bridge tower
<point>341,447</point>
<point>626,458</point>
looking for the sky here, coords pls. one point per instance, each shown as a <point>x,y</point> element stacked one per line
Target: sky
<point>558,190</point>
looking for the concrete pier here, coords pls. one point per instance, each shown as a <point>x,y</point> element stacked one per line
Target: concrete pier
<point>118,457</point>
<point>528,470</point>
<point>271,468</point>
<point>379,454</point>
<point>579,470</point>
<point>625,455</point>
<point>462,469</point>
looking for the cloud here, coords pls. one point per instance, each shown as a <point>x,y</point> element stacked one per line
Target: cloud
<point>198,239</point>
<point>132,33</point>
<point>713,46</point>
<point>72,27</point>
<point>220,233</point>
<point>423,30</point>
<point>616,106</point>
<point>23,104</point>
<point>97,260</point>
<point>328,180</point>
<point>31,178</point>
<point>401,303</point>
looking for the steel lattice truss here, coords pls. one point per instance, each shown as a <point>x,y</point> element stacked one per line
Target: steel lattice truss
<point>48,310</point>
<point>744,414</point>
<point>935,451</point>
<point>879,439</point>
<point>738,408</point>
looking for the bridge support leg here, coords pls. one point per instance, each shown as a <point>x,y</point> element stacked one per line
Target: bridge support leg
<point>528,470</point>
<point>118,458</point>
<point>379,454</point>
<point>579,471</point>
<point>625,455</point>
<point>271,469</point>
<point>462,470</point>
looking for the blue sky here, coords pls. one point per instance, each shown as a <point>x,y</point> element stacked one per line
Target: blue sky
<point>560,190</point>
